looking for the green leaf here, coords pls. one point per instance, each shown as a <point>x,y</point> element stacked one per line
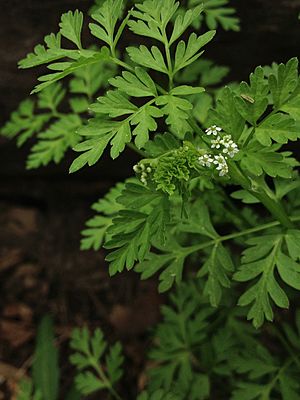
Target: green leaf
<point>95,232</point>
<point>66,68</point>
<point>182,22</point>
<point>186,90</point>
<point>107,17</point>
<point>55,141</point>
<point>49,53</point>
<point>114,104</point>
<point>96,228</point>
<point>88,383</point>
<point>79,104</point>
<point>218,266</point>
<point>132,231</point>
<point>198,221</point>
<point>253,100</point>
<point>292,239</point>
<point>114,361</point>
<point>45,369</point>
<point>278,127</point>
<point>292,107</point>
<point>92,151</point>
<point>88,354</point>
<point>245,197</point>
<point>145,123</point>
<point>188,53</point>
<point>51,97</point>
<point>71,26</point>
<point>226,114</point>
<point>289,387</point>
<point>182,331</point>
<point>261,260</point>
<point>90,79</point>
<point>157,395</point>
<point>217,14</point>
<point>284,82</point>
<point>152,19</point>
<point>177,109</point>
<point>25,391</point>
<point>289,270</point>
<point>24,123</point>
<point>139,84</point>
<point>161,144</point>
<point>150,59</point>
<point>248,391</point>
<point>258,160</point>
<point>100,133</point>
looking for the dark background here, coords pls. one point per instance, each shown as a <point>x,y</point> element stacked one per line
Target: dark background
<point>43,211</point>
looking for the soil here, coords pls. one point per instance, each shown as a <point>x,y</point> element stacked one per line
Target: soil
<point>42,212</point>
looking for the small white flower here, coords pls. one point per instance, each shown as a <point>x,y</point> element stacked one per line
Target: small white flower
<point>213,130</point>
<point>136,168</point>
<point>221,164</point>
<point>206,160</point>
<point>216,143</point>
<point>148,169</point>
<point>229,147</point>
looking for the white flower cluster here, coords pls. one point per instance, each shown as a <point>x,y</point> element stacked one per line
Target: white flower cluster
<point>213,130</point>
<point>222,143</point>
<point>144,171</point>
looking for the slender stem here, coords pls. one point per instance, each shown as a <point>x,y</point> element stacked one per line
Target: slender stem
<point>268,389</point>
<point>271,204</point>
<point>286,345</point>
<point>201,246</point>
<point>104,378</point>
<point>119,33</point>
<point>121,63</point>
<point>169,61</point>
<point>134,148</point>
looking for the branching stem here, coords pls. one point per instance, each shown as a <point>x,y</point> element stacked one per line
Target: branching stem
<point>201,246</point>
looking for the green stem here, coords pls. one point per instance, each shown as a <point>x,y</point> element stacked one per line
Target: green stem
<point>134,148</point>
<point>271,203</point>
<point>121,63</point>
<point>104,378</point>
<point>201,246</point>
<point>268,389</point>
<point>286,345</point>
<point>169,62</point>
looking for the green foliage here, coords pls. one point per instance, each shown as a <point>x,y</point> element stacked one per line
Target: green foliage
<point>56,131</point>
<point>215,13</point>
<point>106,16</point>
<point>53,53</point>
<point>45,371</point>
<point>261,261</point>
<point>96,228</point>
<point>89,353</point>
<point>25,391</point>
<point>131,230</point>
<point>157,395</point>
<point>54,141</point>
<point>44,384</point>
<point>24,123</point>
<point>191,340</point>
<point>197,142</point>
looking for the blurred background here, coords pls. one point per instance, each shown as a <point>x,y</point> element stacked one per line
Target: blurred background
<point>43,211</point>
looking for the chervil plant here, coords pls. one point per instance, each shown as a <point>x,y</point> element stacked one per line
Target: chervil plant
<point>213,201</point>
